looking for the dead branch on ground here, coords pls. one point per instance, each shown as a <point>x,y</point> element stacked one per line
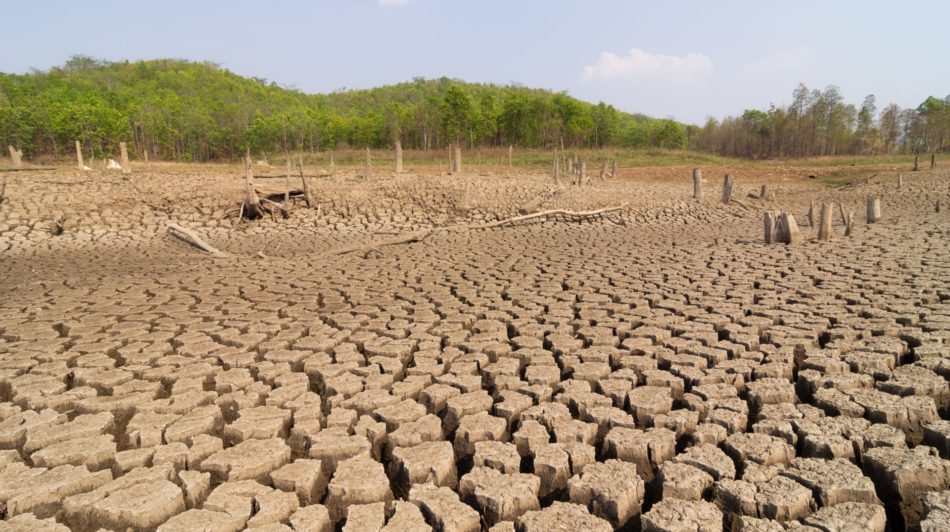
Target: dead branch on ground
<point>192,238</point>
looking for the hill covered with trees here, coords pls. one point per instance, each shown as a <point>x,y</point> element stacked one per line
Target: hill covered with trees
<point>182,110</point>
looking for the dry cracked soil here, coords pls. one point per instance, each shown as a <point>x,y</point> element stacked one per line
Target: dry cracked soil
<point>656,368</point>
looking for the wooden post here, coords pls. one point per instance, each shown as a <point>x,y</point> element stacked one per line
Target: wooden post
<point>556,169</point>
<point>849,224</point>
<point>874,209</point>
<point>788,231</point>
<point>933,161</point>
<point>726,188</point>
<point>771,222</point>
<point>900,180</point>
<point>124,158</point>
<point>697,184</point>
<point>16,155</point>
<point>398,156</point>
<point>811,213</point>
<point>916,162</point>
<point>369,159</point>
<point>511,150</point>
<point>824,221</point>
<point>79,156</point>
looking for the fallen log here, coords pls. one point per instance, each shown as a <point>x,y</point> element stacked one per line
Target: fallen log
<point>192,238</point>
<point>417,236</point>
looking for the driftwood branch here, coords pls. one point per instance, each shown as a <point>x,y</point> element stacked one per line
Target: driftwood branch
<point>417,236</point>
<point>192,238</point>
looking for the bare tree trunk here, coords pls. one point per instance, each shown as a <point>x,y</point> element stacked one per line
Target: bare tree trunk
<point>252,203</point>
<point>17,156</point>
<point>824,222</point>
<point>726,188</point>
<point>697,184</point>
<point>511,149</point>
<point>307,195</point>
<point>124,158</point>
<point>369,160</point>
<point>79,156</point>
<point>613,170</point>
<point>398,156</point>
<point>916,163</point>
<point>874,209</point>
<point>556,168</point>
<point>933,161</point>
<point>458,158</point>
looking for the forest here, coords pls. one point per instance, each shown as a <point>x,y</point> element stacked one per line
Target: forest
<point>188,111</point>
<point>197,111</point>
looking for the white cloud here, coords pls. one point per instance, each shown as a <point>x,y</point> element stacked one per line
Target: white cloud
<point>794,58</point>
<point>640,64</point>
<point>392,3</point>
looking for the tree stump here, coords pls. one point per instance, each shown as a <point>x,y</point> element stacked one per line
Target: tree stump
<point>697,184</point>
<point>844,219</point>
<point>398,156</point>
<point>824,221</point>
<point>307,195</point>
<point>581,173</point>
<point>916,162</point>
<point>511,150</point>
<point>252,208</point>
<point>900,180</point>
<point>787,231</point>
<point>613,169</point>
<point>874,209</point>
<point>124,158</point>
<point>3,187</point>
<point>79,156</point>
<point>849,224</point>
<point>603,170</point>
<point>811,213</point>
<point>457,159</point>
<point>933,161</point>
<point>771,225</point>
<point>16,156</point>
<point>765,193</point>
<point>369,159</point>
<point>332,164</point>
<point>726,188</point>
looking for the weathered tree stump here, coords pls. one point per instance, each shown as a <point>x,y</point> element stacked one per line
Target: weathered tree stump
<point>581,173</point>
<point>332,164</point>
<point>697,184</point>
<point>307,194</point>
<point>457,159</point>
<point>603,170</point>
<point>811,213</point>
<point>933,161</point>
<point>398,156</point>
<point>787,231</point>
<point>511,150</point>
<point>3,187</point>
<point>900,180</point>
<point>726,188</point>
<point>16,156</point>
<point>79,162</point>
<point>824,221</point>
<point>613,169</point>
<point>916,162</point>
<point>771,225</point>
<point>124,158</point>
<point>874,209</point>
<point>936,205</point>
<point>849,224</point>
<point>765,193</point>
<point>369,159</point>
<point>251,208</point>
<point>844,219</point>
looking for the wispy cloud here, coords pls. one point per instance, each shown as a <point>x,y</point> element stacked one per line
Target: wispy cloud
<point>794,58</point>
<point>392,3</point>
<point>640,64</point>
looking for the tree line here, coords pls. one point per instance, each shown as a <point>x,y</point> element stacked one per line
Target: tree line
<point>191,111</point>
<point>819,123</point>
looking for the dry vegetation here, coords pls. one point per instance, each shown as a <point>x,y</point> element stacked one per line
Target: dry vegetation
<point>657,366</point>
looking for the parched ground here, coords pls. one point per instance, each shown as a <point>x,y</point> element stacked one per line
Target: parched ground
<point>657,368</point>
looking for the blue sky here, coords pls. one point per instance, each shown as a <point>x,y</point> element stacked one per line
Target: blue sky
<point>681,59</point>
